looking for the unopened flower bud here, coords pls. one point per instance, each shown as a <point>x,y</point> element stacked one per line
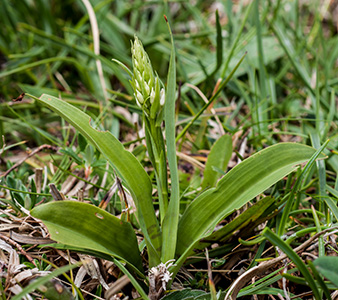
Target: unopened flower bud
<point>162,97</point>
<point>137,85</point>
<point>146,87</point>
<point>139,97</point>
<point>152,96</point>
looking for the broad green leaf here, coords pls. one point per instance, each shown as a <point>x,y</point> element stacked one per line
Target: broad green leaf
<point>87,226</point>
<point>328,267</point>
<point>248,217</point>
<point>219,157</point>
<point>244,182</point>
<point>126,165</point>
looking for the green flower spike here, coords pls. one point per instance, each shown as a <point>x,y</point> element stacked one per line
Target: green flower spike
<point>151,97</point>
<point>148,94</point>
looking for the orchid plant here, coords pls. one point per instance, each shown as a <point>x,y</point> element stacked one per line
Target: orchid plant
<point>171,238</point>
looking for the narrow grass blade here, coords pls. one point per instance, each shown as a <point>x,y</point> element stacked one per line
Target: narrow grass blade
<point>262,104</point>
<point>37,283</point>
<point>278,242</point>
<point>219,46</point>
<point>184,294</point>
<point>132,279</point>
<point>59,42</point>
<point>315,140</point>
<point>126,165</point>
<point>321,246</point>
<point>292,55</point>
<point>295,188</point>
<point>219,50</point>
<point>262,283</point>
<point>124,67</point>
<point>43,62</point>
<point>170,221</point>
<point>295,279</point>
<point>238,36</point>
<point>331,203</point>
<point>221,87</point>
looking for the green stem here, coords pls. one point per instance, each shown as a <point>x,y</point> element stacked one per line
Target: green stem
<point>157,156</point>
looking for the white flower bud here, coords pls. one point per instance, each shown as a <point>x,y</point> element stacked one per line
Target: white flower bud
<point>146,87</point>
<point>138,75</point>
<point>137,85</point>
<point>152,96</point>
<point>139,97</point>
<point>138,103</point>
<point>162,97</point>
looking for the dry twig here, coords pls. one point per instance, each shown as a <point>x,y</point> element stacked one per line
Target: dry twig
<point>15,244</point>
<point>28,156</point>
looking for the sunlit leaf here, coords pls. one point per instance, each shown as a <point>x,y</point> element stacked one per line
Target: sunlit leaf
<point>87,226</point>
<point>219,157</point>
<point>244,182</point>
<point>126,165</point>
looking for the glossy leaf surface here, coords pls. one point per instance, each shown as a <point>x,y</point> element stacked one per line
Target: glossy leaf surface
<point>219,157</point>
<point>126,165</point>
<point>87,226</point>
<point>245,219</point>
<point>244,182</point>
